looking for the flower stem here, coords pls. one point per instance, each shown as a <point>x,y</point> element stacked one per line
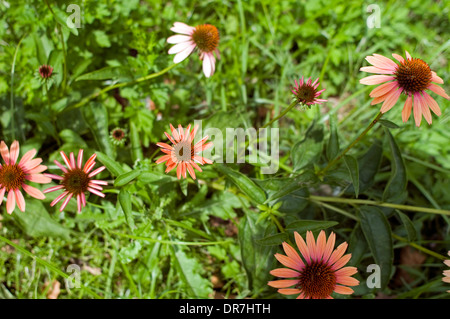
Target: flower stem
<point>12,106</point>
<point>115,86</point>
<point>378,203</point>
<point>336,159</point>
<point>293,104</point>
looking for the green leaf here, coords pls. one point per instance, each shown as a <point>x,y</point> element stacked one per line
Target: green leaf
<point>136,149</point>
<point>155,178</point>
<point>309,149</point>
<point>395,190</point>
<point>333,141</point>
<point>125,203</point>
<point>352,166</point>
<point>189,270</point>
<point>388,123</point>
<point>409,226</point>
<point>255,257</point>
<point>96,117</point>
<point>290,185</point>
<point>129,253</point>
<point>357,245</point>
<point>125,178</point>
<point>302,226</point>
<point>275,239</point>
<point>61,18</point>
<point>245,184</point>
<point>102,39</point>
<point>112,166</point>
<point>368,165</point>
<point>377,231</point>
<point>40,51</point>
<point>36,222</point>
<point>110,72</point>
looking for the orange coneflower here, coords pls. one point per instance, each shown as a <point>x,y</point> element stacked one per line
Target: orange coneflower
<point>13,176</point>
<point>205,37</point>
<point>446,273</point>
<point>319,273</point>
<point>183,154</point>
<point>306,92</point>
<point>412,77</point>
<point>76,180</point>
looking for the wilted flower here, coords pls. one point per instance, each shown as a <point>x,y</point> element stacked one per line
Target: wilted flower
<point>306,93</point>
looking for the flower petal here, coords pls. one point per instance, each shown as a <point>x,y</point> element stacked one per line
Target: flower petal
<point>283,283</point>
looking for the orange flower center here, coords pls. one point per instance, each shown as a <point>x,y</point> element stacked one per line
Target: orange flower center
<point>183,152</point>
<point>206,37</point>
<point>413,75</point>
<point>11,176</point>
<point>305,94</point>
<point>317,280</point>
<point>76,181</point>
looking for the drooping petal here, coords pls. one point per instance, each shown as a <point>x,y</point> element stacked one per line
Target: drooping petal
<point>283,283</point>
<point>438,90</point>
<point>390,101</point>
<point>66,201</point>
<point>406,113</point>
<point>10,202</point>
<point>383,89</point>
<point>284,273</point>
<point>432,103</point>
<point>33,192</point>
<point>343,290</point>
<point>184,54</point>
<point>417,110</point>
<point>19,199</point>
<point>38,178</point>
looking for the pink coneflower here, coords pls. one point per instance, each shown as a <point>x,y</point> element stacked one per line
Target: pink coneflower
<point>446,273</point>
<point>411,77</point>
<point>76,181</point>
<point>13,176</point>
<point>183,153</point>
<point>306,92</point>
<point>319,273</point>
<point>205,37</point>
<point>45,71</point>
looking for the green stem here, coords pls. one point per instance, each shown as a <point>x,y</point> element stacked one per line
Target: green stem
<point>418,247</point>
<point>277,222</point>
<point>378,203</point>
<point>64,81</point>
<point>336,159</point>
<point>115,86</point>
<point>12,106</point>
<point>293,104</point>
